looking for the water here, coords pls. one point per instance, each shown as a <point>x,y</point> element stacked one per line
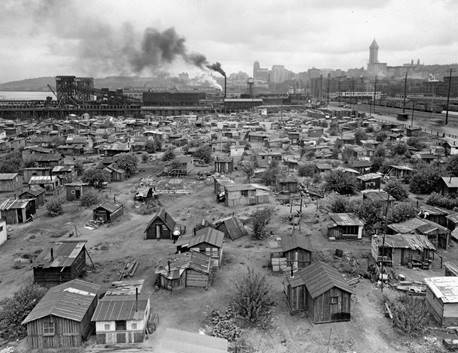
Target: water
<point>24,95</point>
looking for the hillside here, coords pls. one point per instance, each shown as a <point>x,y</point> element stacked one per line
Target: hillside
<point>31,84</point>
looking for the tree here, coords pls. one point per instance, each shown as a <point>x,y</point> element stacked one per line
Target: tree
<point>396,190</point>
<point>54,206</point>
<point>11,163</point>
<point>261,219</point>
<point>360,134</point>
<point>380,152</point>
<point>410,314</point>
<point>377,163</point>
<point>79,168</point>
<point>340,182</point>
<point>127,162</point>
<point>96,176</point>
<point>89,198</point>
<point>168,155</point>
<point>425,180</point>
<point>306,170</point>
<point>400,149</point>
<point>15,310</point>
<point>452,166</point>
<point>153,146</point>
<point>252,299</point>
<point>339,204</point>
<point>371,212</point>
<point>269,177</point>
<point>204,153</point>
<point>401,212</point>
<point>381,136</point>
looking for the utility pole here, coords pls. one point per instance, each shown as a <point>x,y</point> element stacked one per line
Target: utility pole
<point>413,110</point>
<point>405,93</point>
<point>329,86</point>
<point>383,242</point>
<point>448,95</point>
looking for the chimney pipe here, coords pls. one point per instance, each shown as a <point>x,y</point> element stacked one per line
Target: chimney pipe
<point>52,254</point>
<point>292,271</point>
<point>136,299</point>
<point>168,268</point>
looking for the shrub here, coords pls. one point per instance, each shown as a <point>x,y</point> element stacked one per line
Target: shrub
<point>96,176</point>
<point>89,198</point>
<point>339,204</point>
<point>410,314</point>
<point>306,170</point>
<point>204,153</point>
<point>425,180</point>
<point>252,299</point>
<point>438,200</point>
<point>396,190</point>
<point>381,136</point>
<point>452,166</point>
<point>145,158</point>
<point>340,182</point>
<point>11,162</point>
<point>168,155</point>
<point>152,146</point>
<point>261,219</point>
<point>269,177</point>
<point>400,149</point>
<point>54,206</point>
<point>15,310</point>
<point>401,212</point>
<point>127,162</point>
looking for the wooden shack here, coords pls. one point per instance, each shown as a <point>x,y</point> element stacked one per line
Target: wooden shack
<point>403,250</point>
<point>15,211</point>
<point>161,226</point>
<point>369,181</point>
<point>345,226</point>
<point>296,249</point>
<point>442,299</point>
<point>75,191</point>
<point>60,262</point>
<point>232,227</point>
<point>321,291</point>
<point>35,193</point>
<point>107,212</point>
<point>10,182</point>
<point>224,165</point>
<point>206,240</point>
<point>62,318</point>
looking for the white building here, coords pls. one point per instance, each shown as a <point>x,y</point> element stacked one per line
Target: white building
<point>442,299</point>
<point>3,234</point>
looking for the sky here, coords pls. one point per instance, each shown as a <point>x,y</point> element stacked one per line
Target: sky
<point>104,37</point>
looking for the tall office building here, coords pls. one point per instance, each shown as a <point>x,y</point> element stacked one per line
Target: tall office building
<point>259,73</point>
<point>374,67</point>
<point>373,53</point>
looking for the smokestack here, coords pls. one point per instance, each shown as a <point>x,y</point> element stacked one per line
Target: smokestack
<point>136,299</point>
<point>52,254</point>
<point>225,86</point>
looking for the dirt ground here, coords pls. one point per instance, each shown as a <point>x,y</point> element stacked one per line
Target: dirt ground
<point>112,245</point>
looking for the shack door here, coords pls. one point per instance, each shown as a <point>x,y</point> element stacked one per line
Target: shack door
<point>158,231</point>
<point>77,194</point>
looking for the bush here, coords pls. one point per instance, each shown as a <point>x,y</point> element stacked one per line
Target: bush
<point>96,176</point>
<point>306,170</point>
<point>252,299</point>
<point>438,200</point>
<point>261,219</point>
<point>204,153</point>
<point>410,314</point>
<point>425,180</point>
<point>145,158</point>
<point>401,212</point>
<point>452,166</point>
<point>168,155</point>
<point>400,149</point>
<point>339,204</point>
<point>396,190</point>
<point>11,163</point>
<point>127,162</point>
<point>341,182</point>
<point>381,136</point>
<point>54,206</point>
<point>15,310</point>
<point>89,198</point>
<point>360,134</point>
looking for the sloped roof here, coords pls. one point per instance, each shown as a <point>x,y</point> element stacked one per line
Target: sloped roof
<point>109,206</point>
<point>165,217</point>
<point>8,176</point>
<point>9,204</point>
<point>69,300</point>
<point>233,226</point>
<point>318,279</point>
<point>346,219</point>
<point>294,241</point>
<point>451,182</point>
<point>207,235</point>
<point>406,241</point>
<point>120,307</point>
<point>64,253</point>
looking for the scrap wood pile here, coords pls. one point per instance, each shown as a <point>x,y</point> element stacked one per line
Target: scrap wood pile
<point>224,325</point>
<point>129,269</point>
<point>411,287</point>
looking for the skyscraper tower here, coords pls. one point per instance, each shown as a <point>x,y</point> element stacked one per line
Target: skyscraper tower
<point>256,68</point>
<point>373,53</point>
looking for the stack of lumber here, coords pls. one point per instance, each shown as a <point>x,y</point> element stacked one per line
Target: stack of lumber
<point>129,269</point>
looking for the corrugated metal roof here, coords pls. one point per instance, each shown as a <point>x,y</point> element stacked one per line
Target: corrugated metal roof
<point>444,288</point>
<point>234,227</point>
<point>69,300</point>
<point>120,307</point>
<point>207,235</point>
<point>42,179</point>
<point>9,204</point>
<point>109,206</point>
<point>451,182</point>
<point>346,219</point>
<point>64,253</point>
<point>7,176</point>
<point>239,187</point>
<point>318,279</point>
<point>406,241</point>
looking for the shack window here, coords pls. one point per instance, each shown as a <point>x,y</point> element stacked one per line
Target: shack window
<point>134,326</point>
<point>334,300</point>
<point>120,325</point>
<point>48,328</point>
<point>107,327</point>
<point>244,193</point>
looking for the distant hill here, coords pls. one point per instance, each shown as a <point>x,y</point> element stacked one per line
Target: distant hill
<point>30,84</point>
<point>111,82</point>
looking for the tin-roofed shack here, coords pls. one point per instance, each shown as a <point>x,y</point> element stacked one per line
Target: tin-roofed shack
<point>10,182</point>
<point>107,212</point>
<point>442,299</point>
<point>62,318</point>
<point>60,262</point>
<point>345,226</point>
<point>17,211</point>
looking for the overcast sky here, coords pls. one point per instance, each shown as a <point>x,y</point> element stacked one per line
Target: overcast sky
<point>40,38</point>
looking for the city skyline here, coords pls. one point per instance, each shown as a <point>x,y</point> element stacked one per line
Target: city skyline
<point>38,40</point>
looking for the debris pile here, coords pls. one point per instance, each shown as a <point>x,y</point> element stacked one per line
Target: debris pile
<point>224,325</point>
